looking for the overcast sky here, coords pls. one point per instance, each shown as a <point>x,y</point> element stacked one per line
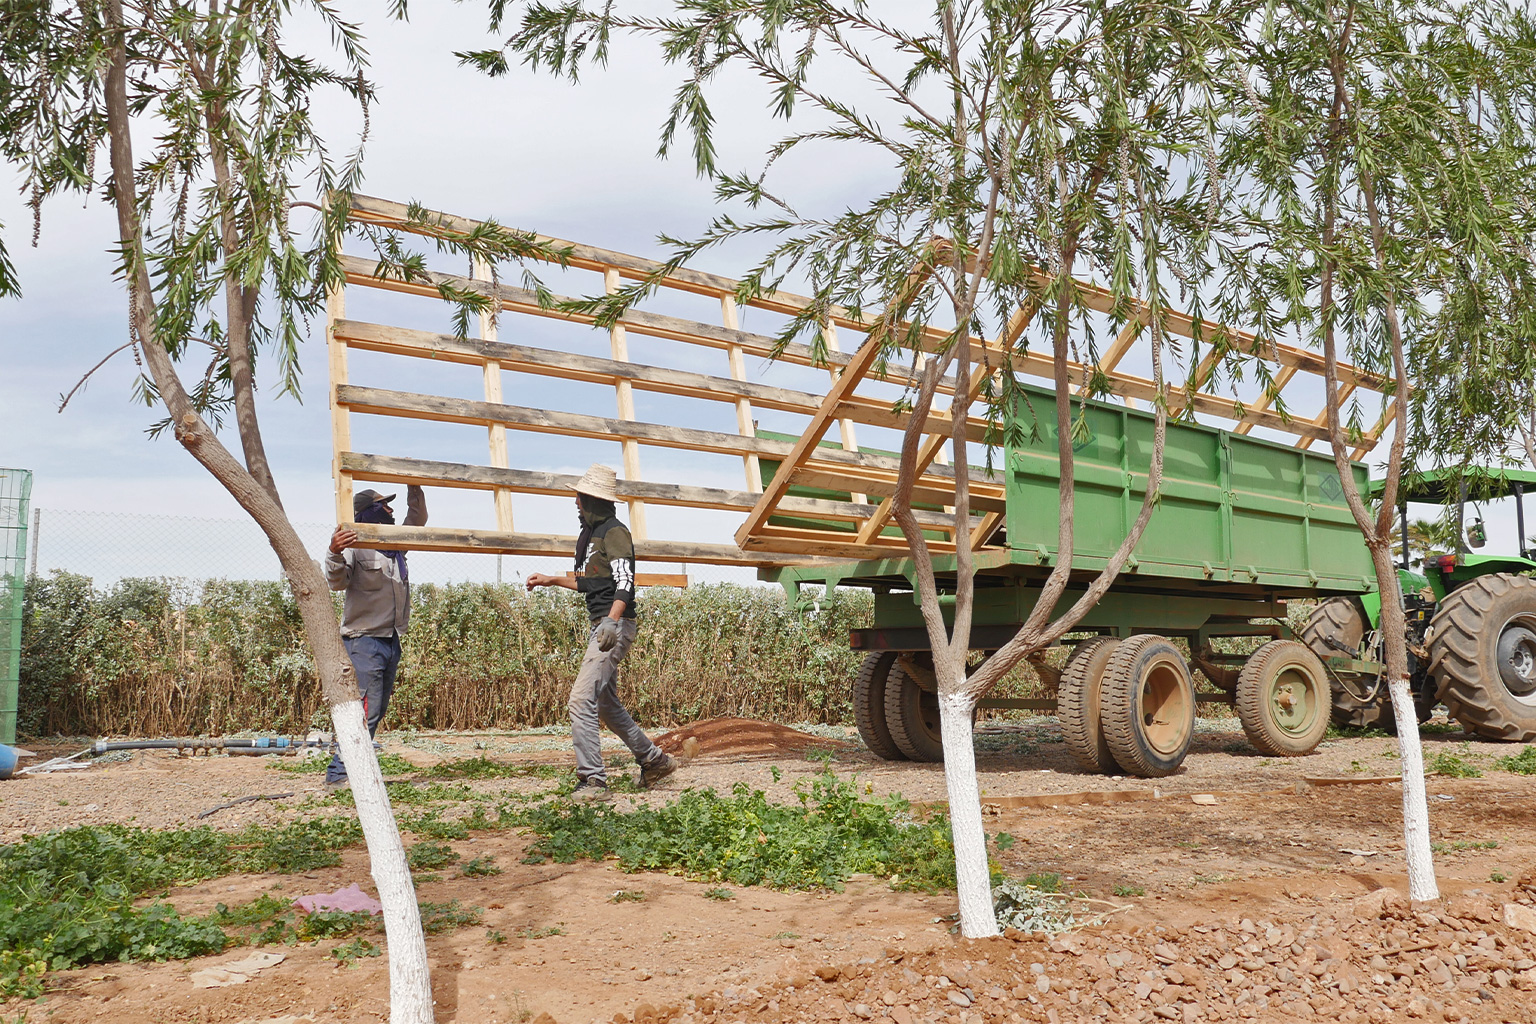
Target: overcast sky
<point>572,161</point>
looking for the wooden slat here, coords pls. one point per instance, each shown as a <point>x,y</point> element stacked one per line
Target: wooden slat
<point>496,432</point>
<point>396,469</point>
<point>341,424</point>
<point>1282,378</point>
<point>625,399</point>
<point>1320,421</point>
<point>654,579</point>
<point>432,538</point>
<point>745,424</point>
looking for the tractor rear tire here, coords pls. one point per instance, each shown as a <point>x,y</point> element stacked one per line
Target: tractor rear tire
<point>869,705</point>
<point>912,717</point>
<point>1482,656</point>
<point>1078,703</point>
<point>1148,706</point>
<point>1335,628</point>
<point>1283,699</point>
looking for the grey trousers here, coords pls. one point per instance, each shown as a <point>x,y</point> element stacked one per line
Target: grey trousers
<point>375,659</point>
<point>595,701</point>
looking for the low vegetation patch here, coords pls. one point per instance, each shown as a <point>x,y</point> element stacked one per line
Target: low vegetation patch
<point>831,834</point>
<point>1523,763</point>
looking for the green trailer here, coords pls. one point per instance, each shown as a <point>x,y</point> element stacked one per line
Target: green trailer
<point>1243,526</point>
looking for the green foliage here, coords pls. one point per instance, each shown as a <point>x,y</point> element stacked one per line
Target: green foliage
<point>295,847</point>
<point>1129,890</point>
<point>427,856</point>
<point>442,917</point>
<point>1463,845</point>
<point>627,896</point>
<point>530,932</point>
<point>155,657</point>
<point>719,894</point>
<point>746,840</point>
<point>431,823</point>
<point>479,867</point>
<point>1003,841</point>
<point>353,951</point>
<point>1032,908</point>
<point>1451,765</point>
<point>483,767</point>
<point>1523,763</point>
<point>1045,882</point>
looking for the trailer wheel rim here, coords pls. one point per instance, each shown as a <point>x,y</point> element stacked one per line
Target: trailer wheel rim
<point>1163,703</point>
<point>1295,699</point>
<point>1517,659</point>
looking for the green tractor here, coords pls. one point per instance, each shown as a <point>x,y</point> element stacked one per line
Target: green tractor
<point>1471,624</point>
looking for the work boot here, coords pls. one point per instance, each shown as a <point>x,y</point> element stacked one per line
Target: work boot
<point>590,791</point>
<point>337,783</point>
<point>657,770</point>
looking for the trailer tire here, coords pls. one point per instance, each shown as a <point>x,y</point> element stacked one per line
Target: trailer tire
<point>1078,700</point>
<point>1336,627</point>
<point>1284,699</point>
<point>1482,656</point>
<point>912,716</point>
<point>869,705</point>
<point>1148,706</point>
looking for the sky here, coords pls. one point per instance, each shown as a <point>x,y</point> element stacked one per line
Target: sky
<point>577,162</point>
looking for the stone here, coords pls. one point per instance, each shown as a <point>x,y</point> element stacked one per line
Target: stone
<point>1519,916</point>
<point>828,973</point>
<point>1043,984</point>
<point>959,998</point>
<point>1204,799</point>
<point>901,1015</point>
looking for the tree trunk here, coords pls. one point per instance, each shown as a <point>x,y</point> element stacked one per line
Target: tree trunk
<point>1421,864</point>
<point>410,986</point>
<point>973,880</point>
<point>410,983</point>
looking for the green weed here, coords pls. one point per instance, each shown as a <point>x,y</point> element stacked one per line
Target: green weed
<point>786,935</point>
<point>482,767</point>
<point>432,825</point>
<point>428,856</point>
<point>1044,881</point>
<point>627,896</point>
<point>1497,877</point>
<point>1523,763</point>
<point>530,932</point>
<point>353,951</point>
<point>1462,845</point>
<point>495,937</point>
<point>1129,890</point>
<point>1453,766</point>
<point>719,894</point>
<point>747,840</point>
<point>479,867</point>
<point>442,917</point>
<point>1003,841</point>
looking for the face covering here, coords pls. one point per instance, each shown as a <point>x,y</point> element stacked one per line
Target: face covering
<point>379,514</point>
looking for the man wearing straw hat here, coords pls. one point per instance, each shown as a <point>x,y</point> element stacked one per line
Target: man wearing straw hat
<point>605,562</point>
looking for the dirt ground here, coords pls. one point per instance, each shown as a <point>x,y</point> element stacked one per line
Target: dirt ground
<point>1274,898</point>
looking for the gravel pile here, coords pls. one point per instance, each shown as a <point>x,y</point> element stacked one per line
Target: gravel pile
<point>1472,959</point>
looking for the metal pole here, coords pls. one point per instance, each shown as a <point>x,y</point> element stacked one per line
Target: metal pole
<point>37,517</point>
<point>1520,516</point>
<point>498,570</point>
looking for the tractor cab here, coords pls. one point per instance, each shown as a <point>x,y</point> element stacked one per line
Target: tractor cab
<point>1447,488</point>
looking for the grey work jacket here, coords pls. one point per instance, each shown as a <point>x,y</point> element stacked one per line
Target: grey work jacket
<point>378,601</point>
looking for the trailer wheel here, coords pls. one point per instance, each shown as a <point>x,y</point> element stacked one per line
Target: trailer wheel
<point>1482,656</point>
<point>1148,706</point>
<point>912,717</point>
<point>1283,699</point>
<point>1078,700</point>
<point>869,705</point>
<point>1336,627</point>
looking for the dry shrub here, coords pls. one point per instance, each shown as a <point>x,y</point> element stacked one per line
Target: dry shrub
<point>165,657</point>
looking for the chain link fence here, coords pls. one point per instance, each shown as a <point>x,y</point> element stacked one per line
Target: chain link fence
<point>15,491</point>
<point>112,546</point>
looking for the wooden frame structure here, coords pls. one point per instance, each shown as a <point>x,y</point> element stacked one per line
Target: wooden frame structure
<point>782,524</point>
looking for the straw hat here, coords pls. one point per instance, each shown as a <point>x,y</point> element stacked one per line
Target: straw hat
<point>599,482</point>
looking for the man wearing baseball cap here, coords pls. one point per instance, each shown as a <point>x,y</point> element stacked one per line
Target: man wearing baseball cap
<point>605,560</point>
<point>376,610</point>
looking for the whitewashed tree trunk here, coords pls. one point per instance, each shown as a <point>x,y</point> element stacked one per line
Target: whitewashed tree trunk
<point>1421,865</point>
<point>410,983</point>
<point>972,879</point>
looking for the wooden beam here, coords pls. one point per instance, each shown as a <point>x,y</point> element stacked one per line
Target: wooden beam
<point>653,579</point>
<point>1282,378</point>
<point>860,363</point>
<point>496,432</point>
<point>1320,421</point>
<point>395,469</point>
<point>341,423</point>
<point>746,425</point>
<point>625,399</point>
<point>432,538</point>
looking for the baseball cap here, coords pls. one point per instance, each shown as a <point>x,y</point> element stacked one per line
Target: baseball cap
<point>362,499</point>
